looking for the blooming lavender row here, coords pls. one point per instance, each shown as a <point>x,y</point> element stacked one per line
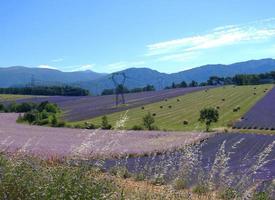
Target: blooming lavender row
<point>261,115</point>
<point>229,160</point>
<point>81,108</point>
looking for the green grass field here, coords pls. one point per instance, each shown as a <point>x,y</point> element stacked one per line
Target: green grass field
<point>12,97</point>
<point>187,108</point>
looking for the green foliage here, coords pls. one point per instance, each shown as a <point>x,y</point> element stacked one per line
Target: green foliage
<point>46,90</point>
<point>140,176</point>
<point>2,107</point>
<point>229,194</point>
<point>44,113</point>
<point>30,117</point>
<point>148,121</point>
<point>208,116</point>
<point>200,189</point>
<point>158,180</point>
<point>105,124</point>
<point>27,179</point>
<point>89,125</point>
<point>261,196</point>
<point>193,84</point>
<point>137,128</point>
<point>179,183</point>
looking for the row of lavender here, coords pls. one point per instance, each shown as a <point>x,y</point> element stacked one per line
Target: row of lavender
<point>224,160</point>
<point>81,108</point>
<point>261,115</point>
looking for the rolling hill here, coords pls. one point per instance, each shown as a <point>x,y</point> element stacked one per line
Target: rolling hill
<point>139,77</point>
<point>136,77</point>
<point>19,76</point>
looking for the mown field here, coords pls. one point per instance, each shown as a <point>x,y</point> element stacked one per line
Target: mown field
<point>13,97</point>
<point>170,114</point>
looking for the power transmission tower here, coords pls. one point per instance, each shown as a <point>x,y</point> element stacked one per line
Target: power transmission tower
<point>32,81</point>
<point>119,86</point>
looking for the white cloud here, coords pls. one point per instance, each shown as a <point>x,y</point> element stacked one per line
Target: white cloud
<point>47,67</point>
<point>218,37</point>
<point>80,67</point>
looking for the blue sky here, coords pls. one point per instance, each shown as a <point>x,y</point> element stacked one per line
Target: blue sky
<point>107,35</point>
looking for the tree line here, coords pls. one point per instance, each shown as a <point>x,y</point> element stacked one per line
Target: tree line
<point>46,90</point>
<point>126,90</point>
<point>239,79</point>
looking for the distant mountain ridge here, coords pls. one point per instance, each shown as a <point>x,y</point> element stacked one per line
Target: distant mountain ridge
<point>139,77</point>
<point>136,77</point>
<point>20,76</point>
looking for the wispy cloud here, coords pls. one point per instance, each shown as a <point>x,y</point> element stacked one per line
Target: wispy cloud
<point>82,67</point>
<point>219,37</point>
<point>57,60</point>
<point>47,67</point>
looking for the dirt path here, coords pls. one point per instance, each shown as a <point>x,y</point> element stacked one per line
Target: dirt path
<point>81,143</point>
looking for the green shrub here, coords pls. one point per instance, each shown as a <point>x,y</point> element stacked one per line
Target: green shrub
<point>51,108</point>
<point>30,117</point>
<point>140,176</point>
<point>42,122</point>
<point>179,184</point>
<point>148,121</point>
<point>228,194</point>
<point>137,127</point>
<point>158,180</point>
<point>2,107</point>
<point>105,124</point>
<point>54,121</point>
<point>200,189</point>
<point>90,125</point>
<point>261,196</point>
<point>23,107</point>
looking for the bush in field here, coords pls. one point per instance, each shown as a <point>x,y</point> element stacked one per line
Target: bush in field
<point>200,189</point>
<point>24,107</point>
<point>29,117</point>
<point>148,121</point>
<point>2,107</point>
<point>229,194</point>
<point>208,116</point>
<point>261,196</point>
<point>89,125</point>
<point>105,124</point>
<point>137,127</point>
<point>185,122</point>
<point>179,183</point>
<point>54,121</point>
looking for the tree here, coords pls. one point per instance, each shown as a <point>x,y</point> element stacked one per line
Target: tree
<point>193,84</point>
<point>183,84</point>
<point>173,85</point>
<point>148,121</point>
<point>105,124</point>
<point>208,116</point>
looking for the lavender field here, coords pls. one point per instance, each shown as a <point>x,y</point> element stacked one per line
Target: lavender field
<point>261,115</point>
<point>234,160</point>
<point>80,108</point>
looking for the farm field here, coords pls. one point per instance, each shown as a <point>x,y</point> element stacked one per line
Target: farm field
<point>164,157</point>
<point>170,114</point>
<point>46,142</point>
<point>86,107</point>
<point>224,155</point>
<point>261,115</point>
<point>13,97</point>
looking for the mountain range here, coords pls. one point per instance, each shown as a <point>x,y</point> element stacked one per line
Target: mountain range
<point>135,77</point>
